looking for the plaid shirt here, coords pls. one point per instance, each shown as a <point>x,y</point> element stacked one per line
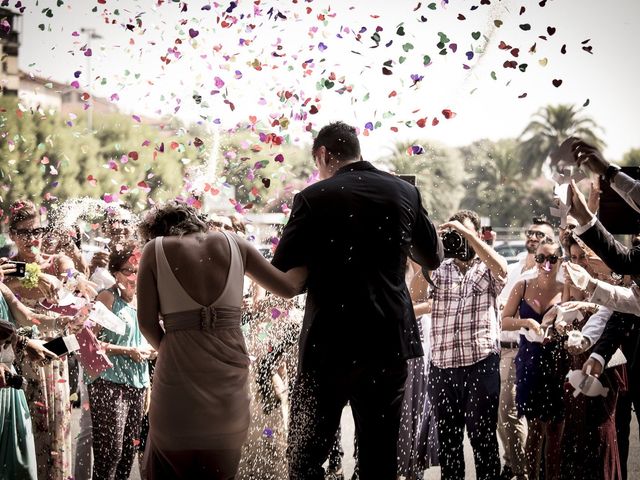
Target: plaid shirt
<point>465,327</point>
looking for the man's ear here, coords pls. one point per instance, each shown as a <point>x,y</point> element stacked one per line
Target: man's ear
<point>321,156</point>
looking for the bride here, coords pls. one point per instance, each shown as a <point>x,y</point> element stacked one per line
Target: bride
<point>191,280</point>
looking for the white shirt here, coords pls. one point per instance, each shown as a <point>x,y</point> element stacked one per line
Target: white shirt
<point>595,325</point>
<point>628,188</point>
<point>620,299</point>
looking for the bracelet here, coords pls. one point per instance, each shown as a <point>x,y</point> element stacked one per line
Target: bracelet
<point>21,344</point>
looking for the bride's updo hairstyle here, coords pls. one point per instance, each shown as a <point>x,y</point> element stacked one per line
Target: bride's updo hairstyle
<point>171,218</point>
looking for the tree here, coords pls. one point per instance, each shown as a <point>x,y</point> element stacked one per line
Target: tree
<point>439,174</point>
<point>495,182</point>
<point>549,127</point>
<point>48,159</point>
<point>631,158</point>
<point>265,170</point>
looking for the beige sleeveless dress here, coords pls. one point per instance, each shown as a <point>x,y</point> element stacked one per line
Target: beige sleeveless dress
<point>199,413</point>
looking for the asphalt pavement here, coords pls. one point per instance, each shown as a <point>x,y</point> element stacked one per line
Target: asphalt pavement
<point>432,473</point>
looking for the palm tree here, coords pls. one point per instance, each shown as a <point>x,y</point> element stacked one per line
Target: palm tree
<point>549,127</point>
<point>496,186</point>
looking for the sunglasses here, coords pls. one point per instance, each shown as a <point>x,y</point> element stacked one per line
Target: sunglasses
<point>30,232</point>
<point>540,258</point>
<point>128,272</point>
<point>535,233</point>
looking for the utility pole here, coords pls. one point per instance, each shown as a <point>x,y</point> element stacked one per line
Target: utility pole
<point>91,35</point>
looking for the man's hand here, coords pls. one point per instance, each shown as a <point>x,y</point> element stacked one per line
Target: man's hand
<point>594,196</point>
<point>583,153</point>
<point>592,367</point>
<point>458,227</point>
<point>578,207</point>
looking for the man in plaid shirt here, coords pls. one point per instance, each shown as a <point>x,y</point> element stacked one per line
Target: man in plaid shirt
<point>464,382</point>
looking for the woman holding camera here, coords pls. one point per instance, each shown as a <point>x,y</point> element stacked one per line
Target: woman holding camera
<point>541,362</point>
<point>17,455</point>
<point>48,388</point>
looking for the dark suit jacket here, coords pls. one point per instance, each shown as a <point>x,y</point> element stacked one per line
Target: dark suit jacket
<point>622,331</point>
<point>619,258</point>
<point>354,231</point>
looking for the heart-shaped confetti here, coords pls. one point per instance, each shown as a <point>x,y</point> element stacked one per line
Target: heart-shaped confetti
<point>557,82</point>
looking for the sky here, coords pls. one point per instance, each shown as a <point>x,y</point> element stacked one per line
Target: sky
<point>229,63</point>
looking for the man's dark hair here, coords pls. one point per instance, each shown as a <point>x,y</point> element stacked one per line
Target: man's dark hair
<point>470,214</point>
<point>340,140</point>
<point>541,220</point>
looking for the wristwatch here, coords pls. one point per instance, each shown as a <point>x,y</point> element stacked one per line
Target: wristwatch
<point>611,172</point>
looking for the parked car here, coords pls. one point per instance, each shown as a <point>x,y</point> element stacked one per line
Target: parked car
<point>510,249</point>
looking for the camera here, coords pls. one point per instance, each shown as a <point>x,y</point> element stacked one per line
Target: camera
<point>456,246</point>
<point>21,268</point>
<point>15,381</point>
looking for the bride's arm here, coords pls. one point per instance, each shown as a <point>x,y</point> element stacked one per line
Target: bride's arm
<point>286,285</point>
<point>147,295</point>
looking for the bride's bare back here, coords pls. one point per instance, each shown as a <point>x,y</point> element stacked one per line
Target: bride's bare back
<point>200,263</point>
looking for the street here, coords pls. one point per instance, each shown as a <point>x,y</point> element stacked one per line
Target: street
<point>431,474</point>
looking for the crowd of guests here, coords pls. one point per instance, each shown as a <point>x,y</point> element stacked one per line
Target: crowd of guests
<point>503,344</point>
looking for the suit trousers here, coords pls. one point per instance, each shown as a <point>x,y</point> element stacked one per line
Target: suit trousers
<point>467,396</point>
<point>318,398</point>
<point>626,402</point>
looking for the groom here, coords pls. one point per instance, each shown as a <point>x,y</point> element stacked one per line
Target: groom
<point>354,231</point>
